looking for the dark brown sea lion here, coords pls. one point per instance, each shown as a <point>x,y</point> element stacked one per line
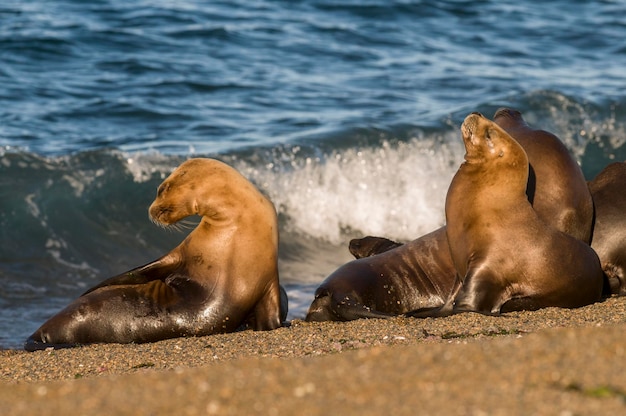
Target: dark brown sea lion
<point>608,189</point>
<point>507,257</point>
<point>222,276</point>
<point>415,275</point>
<point>557,190</point>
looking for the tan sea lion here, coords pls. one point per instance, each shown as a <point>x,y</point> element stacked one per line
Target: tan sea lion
<point>608,189</point>
<point>506,257</point>
<point>222,276</point>
<point>559,195</point>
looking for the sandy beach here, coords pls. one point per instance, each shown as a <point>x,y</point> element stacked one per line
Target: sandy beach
<point>553,361</point>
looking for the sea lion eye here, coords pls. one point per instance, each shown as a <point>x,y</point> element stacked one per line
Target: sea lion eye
<point>162,188</point>
<point>489,141</point>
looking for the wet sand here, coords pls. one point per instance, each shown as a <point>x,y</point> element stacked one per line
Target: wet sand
<point>553,361</point>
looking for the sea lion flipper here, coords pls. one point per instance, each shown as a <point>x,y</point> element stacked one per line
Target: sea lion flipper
<point>270,311</point>
<point>447,309</point>
<point>159,269</point>
<point>370,245</point>
<point>327,307</point>
<point>442,311</point>
<point>32,345</point>
<point>358,311</point>
<point>284,304</point>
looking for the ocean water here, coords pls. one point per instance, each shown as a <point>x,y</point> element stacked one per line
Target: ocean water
<point>345,113</point>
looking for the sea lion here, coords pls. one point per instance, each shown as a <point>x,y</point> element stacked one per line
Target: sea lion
<point>222,276</point>
<point>608,190</point>
<point>506,257</point>
<point>556,185</point>
<point>557,190</point>
<point>415,275</point>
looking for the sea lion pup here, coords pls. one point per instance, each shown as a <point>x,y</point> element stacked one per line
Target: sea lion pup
<point>222,276</point>
<point>418,274</point>
<point>506,257</point>
<point>608,189</point>
<point>369,245</point>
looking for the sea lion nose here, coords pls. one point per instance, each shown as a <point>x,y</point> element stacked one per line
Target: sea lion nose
<point>469,124</point>
<point>33,345</point>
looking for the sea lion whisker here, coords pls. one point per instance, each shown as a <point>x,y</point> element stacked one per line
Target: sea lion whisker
<point>174,227</point>
<point>180,226</point>
<point>187,224</point>
<point>156,222</point>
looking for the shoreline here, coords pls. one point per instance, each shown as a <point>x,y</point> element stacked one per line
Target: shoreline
<point>551,359</point>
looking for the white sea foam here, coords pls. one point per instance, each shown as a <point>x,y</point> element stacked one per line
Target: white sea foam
<point>395,190</point>
<point>142,165</point>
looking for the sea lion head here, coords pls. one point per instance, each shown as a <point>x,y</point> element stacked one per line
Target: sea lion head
<point>508,119</point>
<point>197,187</point>
<point>487,143</point>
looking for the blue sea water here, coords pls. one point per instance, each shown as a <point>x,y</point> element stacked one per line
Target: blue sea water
<point>345,113</point>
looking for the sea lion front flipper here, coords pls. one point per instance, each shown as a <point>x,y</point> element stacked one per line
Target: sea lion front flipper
<point>157,270</point>
<point>358,311</point>
<point>370,246</point>
<point>284,304</point>
<point>269,312</point>
<point>436,312</point>
<point>326,307</point>
<point>442,311</point>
